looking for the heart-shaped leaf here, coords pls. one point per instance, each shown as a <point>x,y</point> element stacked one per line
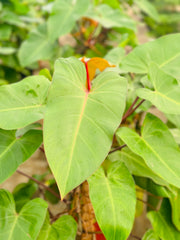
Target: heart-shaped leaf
<point>79,125</point>
<point>64,228</point>
<point>14,151</point>
<point>166,93</point>
<point>25,225</point>
<point>156,146</point>
<point>113,198</point>
<point>23,103</point>
<point>64,15</point>
<point>157,51</point>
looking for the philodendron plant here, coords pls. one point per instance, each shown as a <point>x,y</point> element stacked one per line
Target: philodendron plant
<point>86,136</point>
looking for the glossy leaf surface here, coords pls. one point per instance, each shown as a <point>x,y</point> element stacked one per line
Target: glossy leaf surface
<point>14,151</point>
<point>79,125</point>
<point>157,51</point>
<point>25,225</point>
<point>64,228</point>
<point>156,146</point>
<point>162,224</point>
<point>113,198</point>
<point>23,103</point>
<point>166,93</point>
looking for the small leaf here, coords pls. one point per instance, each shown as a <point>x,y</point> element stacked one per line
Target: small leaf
<point>23,193</point>
<point>136,165</point>
<point>175,205</point>
<point>156,146</point>
<point>157,51</point>
<point>79,125</point>
<point>166,93</point>
<point>7,50</point>
<point>149,8</point>
<point>25,225</point>
<point>150,235</point>
<point>38,46</point>
<point>23,103</point>
<point>14,151</point>
<point>109,17</point>
<point>113,198</point>
<point>64,15</point>
<point>64,228</point>
<point>162,224</point>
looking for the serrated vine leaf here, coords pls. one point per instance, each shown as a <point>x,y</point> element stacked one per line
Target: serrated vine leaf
<point>113,198</point>
<point>162,224</point>
<point>156,146</point>
<point>157,51</point>
<point>79,125</point>
<point>14,151</point>
<point>23,103</point>
<point>64,15</point>
<point>166,93</point>
<point>25,225</point>
<point>64,228</point>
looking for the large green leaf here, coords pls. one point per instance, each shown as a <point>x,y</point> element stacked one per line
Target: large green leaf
<point>165,52</point>
<point>64,15</point>
<point>150,235</point>
<point>25,225</point>
<point>162,224</point>
<point>166,93</point>
<point>38,46</point>
<point>136,165</point>
<point>64,228</point>
<point>79,125</point>
<point>113,198</point>
<point>156,146</point>
<point>14,151</point>
<point>23,103</point>
<point>109,17</point>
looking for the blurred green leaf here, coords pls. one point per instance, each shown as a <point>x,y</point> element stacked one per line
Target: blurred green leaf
<point>150,235</point>
<point>38,46</point>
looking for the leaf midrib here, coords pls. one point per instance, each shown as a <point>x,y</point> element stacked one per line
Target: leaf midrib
<point>21,108</point>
